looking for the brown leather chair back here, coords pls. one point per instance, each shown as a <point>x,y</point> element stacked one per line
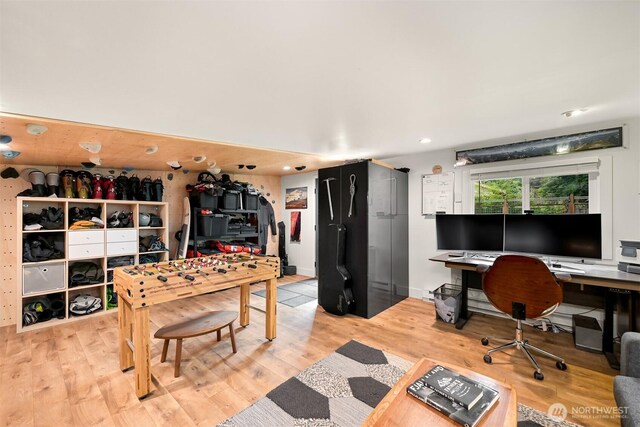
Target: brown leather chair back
<point>522,279</point>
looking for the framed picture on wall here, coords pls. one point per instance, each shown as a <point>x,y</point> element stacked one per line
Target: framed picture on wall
<point>295,226</point>
<point>296,198</point>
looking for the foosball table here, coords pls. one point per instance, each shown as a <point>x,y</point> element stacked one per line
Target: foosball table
<point>141,286</point>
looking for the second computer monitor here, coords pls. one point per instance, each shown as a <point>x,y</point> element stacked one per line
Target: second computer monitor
<point>575,236</point>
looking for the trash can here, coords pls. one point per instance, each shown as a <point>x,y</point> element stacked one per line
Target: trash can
<point>448,301</point>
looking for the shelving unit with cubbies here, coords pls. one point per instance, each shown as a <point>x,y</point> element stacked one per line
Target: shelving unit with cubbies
<point>51,277</point>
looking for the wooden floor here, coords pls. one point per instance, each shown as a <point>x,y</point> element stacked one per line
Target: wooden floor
<point>68,374</point>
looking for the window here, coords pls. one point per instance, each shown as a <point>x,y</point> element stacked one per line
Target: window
<point>492,194</point>
<point>541,194</point>
<point>552,194</point>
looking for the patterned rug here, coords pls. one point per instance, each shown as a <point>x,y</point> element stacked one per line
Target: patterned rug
<point>295,294</point>
<point>341,390</point>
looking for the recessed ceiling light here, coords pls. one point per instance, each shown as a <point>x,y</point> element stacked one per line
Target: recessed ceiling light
<point>425,140</point>
<point>573,113</point>
<point>5,139</point>
<point>287,167</point>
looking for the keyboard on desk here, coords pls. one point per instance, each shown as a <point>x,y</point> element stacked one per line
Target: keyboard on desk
<point>566,270</point>
<point>483,260</point>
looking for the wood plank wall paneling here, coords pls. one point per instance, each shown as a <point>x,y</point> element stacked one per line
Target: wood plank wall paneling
<point>173,194</point>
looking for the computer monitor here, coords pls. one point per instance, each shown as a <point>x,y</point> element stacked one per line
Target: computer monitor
<point>575,236</point>
<point>470,232</point>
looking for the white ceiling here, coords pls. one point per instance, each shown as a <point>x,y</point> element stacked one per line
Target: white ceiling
<point>339,78</point>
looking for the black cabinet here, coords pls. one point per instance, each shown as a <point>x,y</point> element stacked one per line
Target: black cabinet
<point>376,252</point>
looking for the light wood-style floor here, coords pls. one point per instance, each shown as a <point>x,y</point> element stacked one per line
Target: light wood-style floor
<point>69,375</point>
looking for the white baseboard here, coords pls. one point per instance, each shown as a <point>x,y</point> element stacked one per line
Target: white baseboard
<point>416,292</point>
<point>311,272</point>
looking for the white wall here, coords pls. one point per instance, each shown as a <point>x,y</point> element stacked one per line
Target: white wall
<point>302,254</point>
<point>424,276</point>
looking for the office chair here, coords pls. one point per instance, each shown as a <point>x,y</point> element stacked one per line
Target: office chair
<point>524,288</point>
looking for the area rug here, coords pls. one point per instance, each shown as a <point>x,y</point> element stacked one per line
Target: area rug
<point>341,390</point>
<point>294,294</point>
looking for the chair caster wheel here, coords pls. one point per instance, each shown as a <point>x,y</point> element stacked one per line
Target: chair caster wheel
<point>487,359</point>
<point>485,341</point>
<point>538,375</point>
<point>561,365</point>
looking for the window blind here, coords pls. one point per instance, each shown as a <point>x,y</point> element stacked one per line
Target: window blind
<point>585,167</point>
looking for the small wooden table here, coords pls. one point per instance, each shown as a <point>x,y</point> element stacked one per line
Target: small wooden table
<point>400,409</point>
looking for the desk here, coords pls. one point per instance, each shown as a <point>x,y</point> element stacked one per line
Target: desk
<point>606,277</point>
<point>399,409</point>
<point>138,291</point>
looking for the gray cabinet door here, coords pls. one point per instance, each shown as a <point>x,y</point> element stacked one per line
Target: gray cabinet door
<point>399,236</point>
<point>379,247</point>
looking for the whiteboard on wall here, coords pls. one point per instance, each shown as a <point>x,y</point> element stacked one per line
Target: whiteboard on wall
<point>437,193</point>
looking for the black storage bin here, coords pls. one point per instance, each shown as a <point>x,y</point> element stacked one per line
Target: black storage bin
<point>247,229</point>
<point>231,200</point>
<point>250,200</point>
<point>200,199</point>
<point>212,225</point>
<point>234,229</point>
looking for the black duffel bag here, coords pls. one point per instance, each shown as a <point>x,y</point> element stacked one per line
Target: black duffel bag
<point>120,261</point>
<point>85,273</point>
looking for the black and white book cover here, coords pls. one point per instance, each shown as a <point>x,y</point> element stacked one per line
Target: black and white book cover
<point>466,417</point>
<point>453,386</point>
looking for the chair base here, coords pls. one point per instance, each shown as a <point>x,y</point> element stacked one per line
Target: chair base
<point>526,348</point>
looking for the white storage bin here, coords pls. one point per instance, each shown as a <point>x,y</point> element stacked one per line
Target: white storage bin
<point>86,237</point>
<point>42,278</point>
<point>121,248</point>
<point>86,251</point>
<point>122,235</point>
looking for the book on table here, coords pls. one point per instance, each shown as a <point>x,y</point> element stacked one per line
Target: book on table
<point>463,400</point>
<point>456,388</point>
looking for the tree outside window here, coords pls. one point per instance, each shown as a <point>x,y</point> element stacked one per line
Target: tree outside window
<point>546,195</point>
<point>491,194</point>
<point>551,194</point>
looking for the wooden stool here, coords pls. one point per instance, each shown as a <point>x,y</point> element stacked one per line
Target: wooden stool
<point>193,327</point>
